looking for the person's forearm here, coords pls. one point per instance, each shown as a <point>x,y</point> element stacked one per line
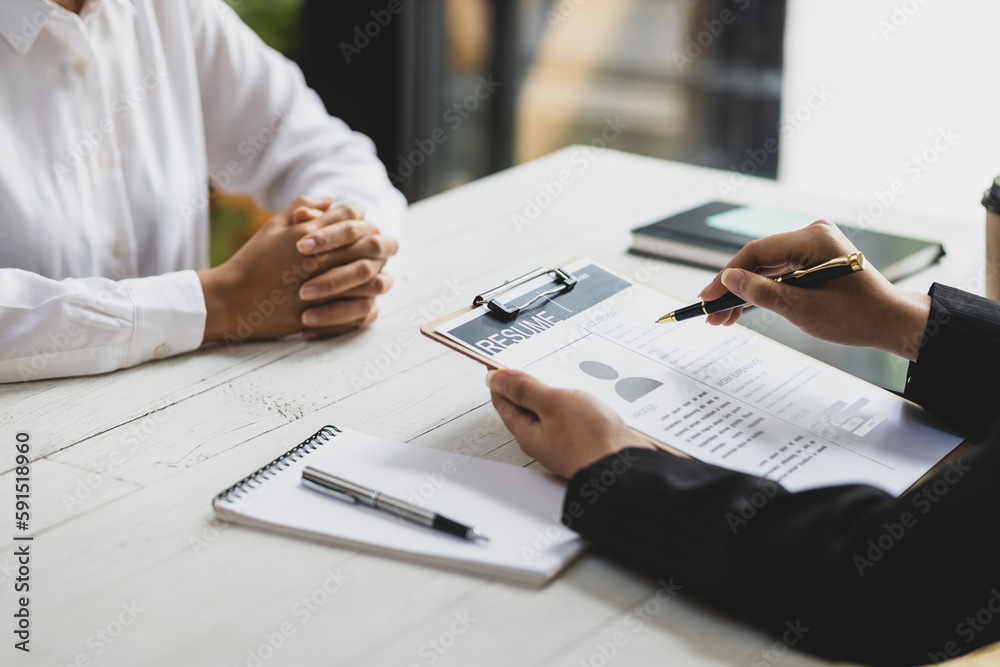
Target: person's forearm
<point>711,529</point>
<point>862,571</point>
<point>307,152</point>
<point>59,328</point>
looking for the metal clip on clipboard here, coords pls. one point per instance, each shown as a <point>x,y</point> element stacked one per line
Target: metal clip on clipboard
<point>565,282</point>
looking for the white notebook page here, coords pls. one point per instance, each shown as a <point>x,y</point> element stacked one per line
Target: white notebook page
<point>518,509</point>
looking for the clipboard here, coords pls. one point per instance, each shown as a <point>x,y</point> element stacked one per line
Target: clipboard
<point>588,292</point>
<point>565,282</point>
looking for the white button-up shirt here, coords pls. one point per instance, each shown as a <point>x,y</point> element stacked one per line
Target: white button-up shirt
<point>111,125</point>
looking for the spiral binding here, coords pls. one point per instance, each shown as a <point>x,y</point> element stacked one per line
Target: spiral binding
<point>264,473</point>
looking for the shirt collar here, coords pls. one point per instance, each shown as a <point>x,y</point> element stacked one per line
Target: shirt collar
<point>21,21</point>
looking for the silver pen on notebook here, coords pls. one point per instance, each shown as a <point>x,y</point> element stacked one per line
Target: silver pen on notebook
<point>342,489</point>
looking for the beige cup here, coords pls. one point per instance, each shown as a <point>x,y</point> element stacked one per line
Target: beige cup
<point>991,200</point>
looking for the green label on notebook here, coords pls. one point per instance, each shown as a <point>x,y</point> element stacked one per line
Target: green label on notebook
<point>757,222</point>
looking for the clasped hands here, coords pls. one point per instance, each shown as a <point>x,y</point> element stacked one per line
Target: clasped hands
<point>314,267</point>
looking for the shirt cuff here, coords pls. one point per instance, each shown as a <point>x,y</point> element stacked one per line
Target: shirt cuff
<point>169,315</point>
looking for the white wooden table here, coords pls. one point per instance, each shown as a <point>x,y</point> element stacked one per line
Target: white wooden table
<point>129,566</point>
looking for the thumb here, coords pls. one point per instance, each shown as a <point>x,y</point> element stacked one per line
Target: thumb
<point>522,390</point>
<point>759,290</point>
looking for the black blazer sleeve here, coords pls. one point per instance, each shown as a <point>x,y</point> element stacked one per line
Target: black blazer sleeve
<point>957,373</point>
<point>848,573</point>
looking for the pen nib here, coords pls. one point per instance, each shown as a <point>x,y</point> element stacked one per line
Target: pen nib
<point>669,317</point>
<point>475,536</point>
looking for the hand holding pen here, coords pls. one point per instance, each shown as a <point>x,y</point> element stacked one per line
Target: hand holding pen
<point>862,309</point>
<point>809,277</point>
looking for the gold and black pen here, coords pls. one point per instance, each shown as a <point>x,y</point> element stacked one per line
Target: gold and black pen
<point>811,277</point>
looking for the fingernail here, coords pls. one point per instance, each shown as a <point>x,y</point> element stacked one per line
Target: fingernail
<point>733,280</point>
<point>308,292</point>
<point>306,245</point>
<point>496,382</point>
<point>309,318</point>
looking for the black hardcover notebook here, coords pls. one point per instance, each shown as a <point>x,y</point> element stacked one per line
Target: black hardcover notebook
<point>711,234</point>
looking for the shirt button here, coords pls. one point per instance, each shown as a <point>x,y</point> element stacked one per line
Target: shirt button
<point>161,351</point>
<point>81,65</point>
<point>120,249</point>
<point>104,159</point>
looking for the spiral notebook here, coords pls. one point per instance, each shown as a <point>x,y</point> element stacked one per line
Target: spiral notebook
<point>519,509</point>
